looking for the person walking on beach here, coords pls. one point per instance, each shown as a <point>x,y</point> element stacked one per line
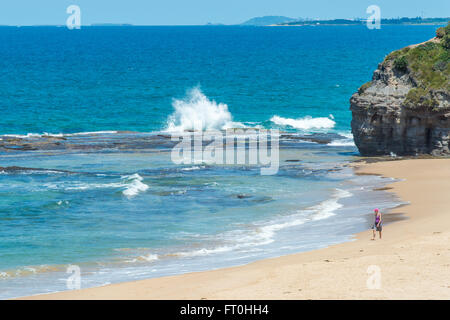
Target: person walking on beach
<point>378,223</point>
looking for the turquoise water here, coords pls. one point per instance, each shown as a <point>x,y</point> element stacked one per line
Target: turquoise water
<point>61,81</point>
<point>86,176</point>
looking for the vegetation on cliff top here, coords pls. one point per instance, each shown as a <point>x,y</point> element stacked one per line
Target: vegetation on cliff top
<point>364,87</point>
<point>428,66</point>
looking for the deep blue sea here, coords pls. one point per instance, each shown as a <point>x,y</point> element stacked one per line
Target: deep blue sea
<point>86,176</point>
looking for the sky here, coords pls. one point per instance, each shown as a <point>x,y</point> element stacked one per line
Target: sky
<point>199,12</point>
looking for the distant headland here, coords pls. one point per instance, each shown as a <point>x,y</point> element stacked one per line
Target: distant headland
<point>268,20</point>
<point>286,21</point>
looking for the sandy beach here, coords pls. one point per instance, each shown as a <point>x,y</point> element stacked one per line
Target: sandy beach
<point>413,258</point>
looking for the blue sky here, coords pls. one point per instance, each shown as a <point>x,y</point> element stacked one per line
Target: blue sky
<point>195,12</point>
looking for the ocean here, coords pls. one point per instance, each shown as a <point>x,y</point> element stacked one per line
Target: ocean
<point>86,175</point>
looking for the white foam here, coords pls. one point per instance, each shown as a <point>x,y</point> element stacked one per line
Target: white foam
<point>193,168</point>
<point>134,185</point>
<point>28,135</point>
<point>204,251</point>
<point>197,110</point>
<point>328,207</point>
<point>341,143</point>
<point>88,133</point>
<point>261,236</point>
<point>321,211</point>
<point>268,232</point>
<point>306,123</point>
<point>347,141</point>
<point>150,257</point>
<point>56,135</point>
<point>348,135</point>
<point>86,186</point>
<point>131,185</point>
<point>265,234</point>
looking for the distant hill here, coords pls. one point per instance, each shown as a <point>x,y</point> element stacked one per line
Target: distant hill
<point>267,20</point>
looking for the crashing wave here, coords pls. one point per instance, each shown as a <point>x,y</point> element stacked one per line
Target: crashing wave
<point>197,112</point>
<point>305,123</point>
<point>134,185</point>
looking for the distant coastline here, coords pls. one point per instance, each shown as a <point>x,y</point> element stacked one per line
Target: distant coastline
<point>277,21</point>
<point>359,21</point>
<point>286,21</point>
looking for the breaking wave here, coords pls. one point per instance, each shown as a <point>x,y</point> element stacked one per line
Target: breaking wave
<point>328,207</point>
<point>134,185</point>
<point>305,123</point>
<point>131,185</point>
<point>196,111</point>
<point>347,141</point>
<point>144,258</point>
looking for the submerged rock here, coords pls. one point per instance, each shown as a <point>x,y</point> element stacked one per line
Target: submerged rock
<point>242,196</point>
<point>405,109</point>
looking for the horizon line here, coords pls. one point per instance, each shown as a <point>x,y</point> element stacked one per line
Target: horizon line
<point>126,24</point>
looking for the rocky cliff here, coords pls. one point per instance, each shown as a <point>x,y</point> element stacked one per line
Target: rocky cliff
<point>405,109</point>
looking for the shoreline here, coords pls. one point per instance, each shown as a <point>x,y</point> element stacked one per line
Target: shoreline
<point>413,257</point>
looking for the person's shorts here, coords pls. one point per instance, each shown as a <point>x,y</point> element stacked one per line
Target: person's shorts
<point>374,227</point>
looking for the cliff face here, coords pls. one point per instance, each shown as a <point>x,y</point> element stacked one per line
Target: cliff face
<point>405,109</point>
